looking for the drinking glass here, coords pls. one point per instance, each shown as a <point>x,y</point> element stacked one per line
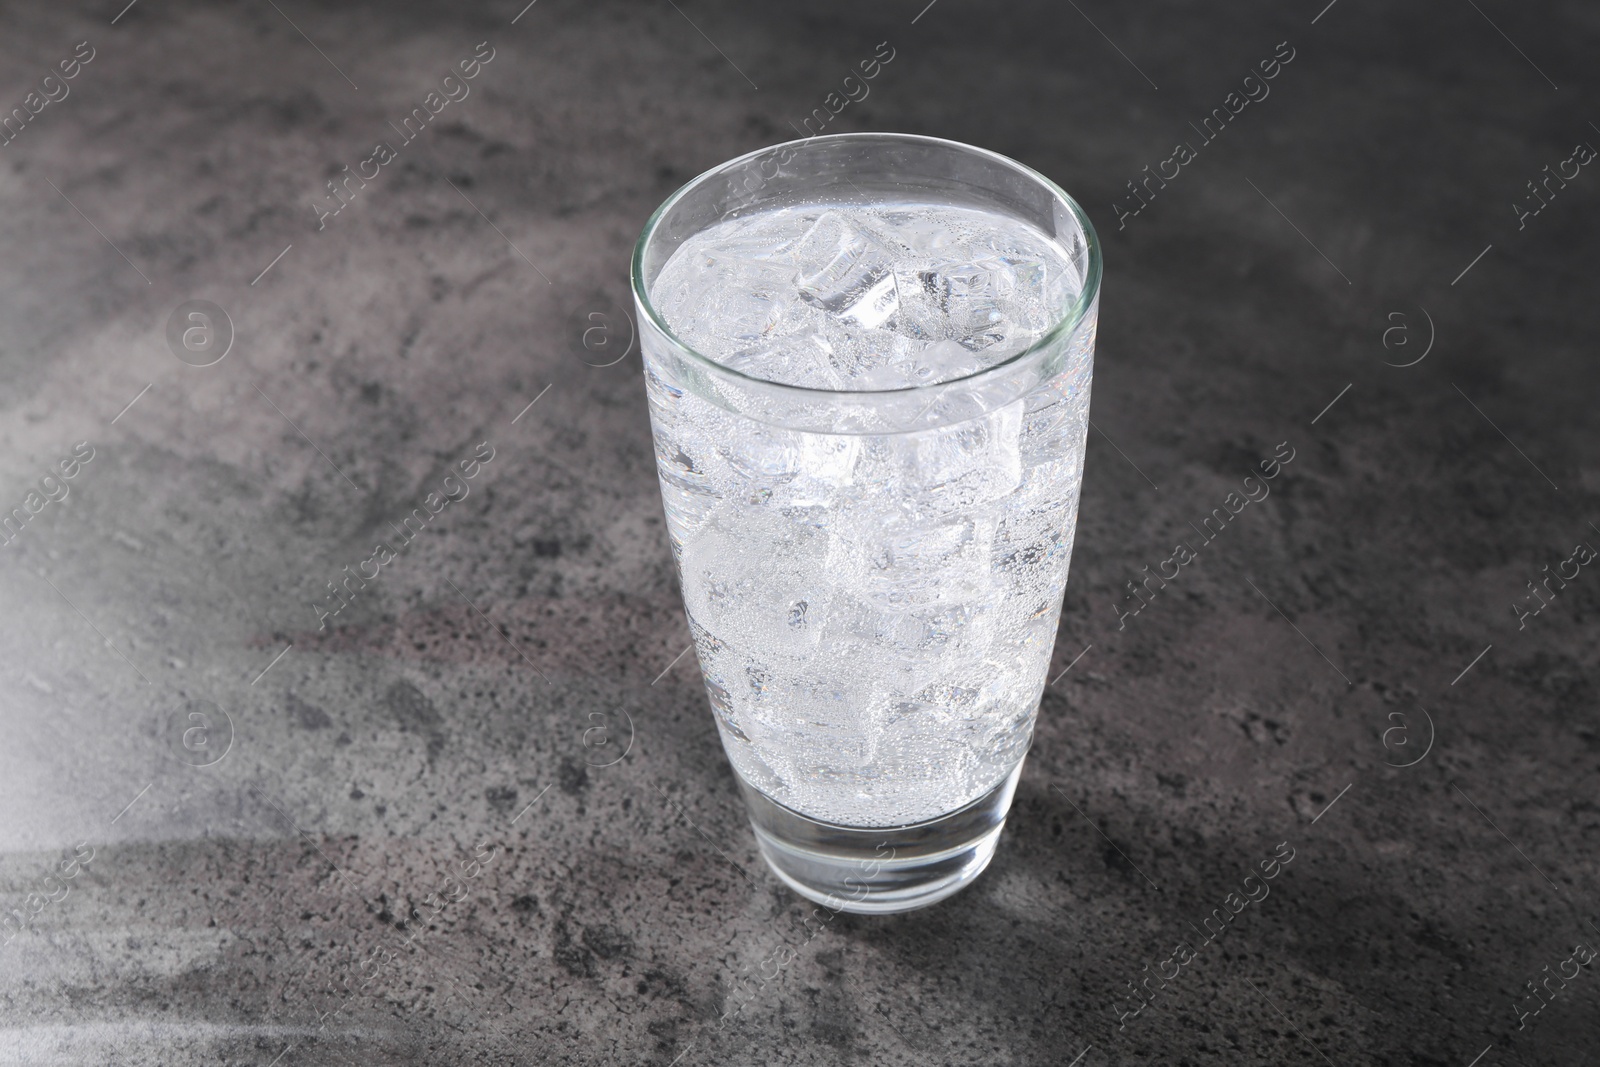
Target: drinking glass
<point>873,576</point>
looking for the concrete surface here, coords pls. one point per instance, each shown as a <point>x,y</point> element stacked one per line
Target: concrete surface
<point>484,817</point>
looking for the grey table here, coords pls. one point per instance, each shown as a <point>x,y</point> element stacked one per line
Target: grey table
<point>479,813</point>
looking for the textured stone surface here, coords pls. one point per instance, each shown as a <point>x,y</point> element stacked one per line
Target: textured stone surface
<point>453,731</point>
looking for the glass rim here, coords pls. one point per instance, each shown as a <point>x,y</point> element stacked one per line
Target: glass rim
<point>1051,337</point>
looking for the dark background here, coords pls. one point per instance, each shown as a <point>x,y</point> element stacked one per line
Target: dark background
<point>602,898</point>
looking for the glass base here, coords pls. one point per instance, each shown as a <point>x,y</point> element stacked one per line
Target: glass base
<point>880,870</point>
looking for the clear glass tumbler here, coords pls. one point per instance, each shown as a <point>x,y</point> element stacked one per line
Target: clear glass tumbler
<point>872,561</point>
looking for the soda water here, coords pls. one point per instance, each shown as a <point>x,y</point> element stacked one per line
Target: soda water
<point>873,612</point>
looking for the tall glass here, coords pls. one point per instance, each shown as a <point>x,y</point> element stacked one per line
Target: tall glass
<point>873,577</point>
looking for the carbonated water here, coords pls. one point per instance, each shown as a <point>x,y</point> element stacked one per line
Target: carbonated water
<point>873,612</point>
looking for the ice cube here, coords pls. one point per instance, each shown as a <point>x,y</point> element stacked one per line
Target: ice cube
<point>870,358</point>
<point>761,456</point>
<point>825,468</point>
<point>1051,431</point>
<point>906,639</point>
<point>1037,523</point>
<point>857,622</point>
<point>813,731</point>
<point>971,694</point>
<point>686,510</point>
<point>986,299</point>
<point>923,563</point>
<point>919,231</point>
<point>757,581</point>
<point>748,299</point>
<point>969,463</point>
<point>847,271</point>
<point>694,475</point>
<point>946,626</point>
<point>919,315</point>
<point>878,469</point>
<point>878,304</point>
<point>718,665</point>
<point>793,359</point>
<point>947,360</point>
<point>970,296</point>
<point>1029,307</point>
<point>736,294</point>
<point>949,697</point>
<point>1028,548</point>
